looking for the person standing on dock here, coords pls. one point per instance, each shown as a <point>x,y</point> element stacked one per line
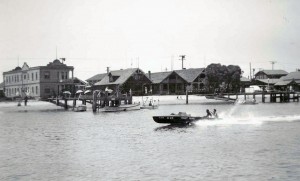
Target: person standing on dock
<point>25,100</point>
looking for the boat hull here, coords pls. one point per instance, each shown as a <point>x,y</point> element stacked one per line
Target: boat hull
<point>80,109</point>
<point>127,107</point>
<point>149,107</point>
<point>178,119</point>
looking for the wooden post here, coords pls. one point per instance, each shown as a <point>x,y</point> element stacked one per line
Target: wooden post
<point>66,103</point>
<point>263,97</point>
<point>74,103</point>
<point>244,95</point>
<point>94,106</point>
<point>187,96</point>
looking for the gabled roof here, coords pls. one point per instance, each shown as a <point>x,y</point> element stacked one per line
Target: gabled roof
<point>189,74</point>
<point>283,83</point>
<point>273,72</point>
<point>121,76</point>
<point>158,77</point>
<point>268,81</point>
<point>97,77</point>
<point>291,76</point>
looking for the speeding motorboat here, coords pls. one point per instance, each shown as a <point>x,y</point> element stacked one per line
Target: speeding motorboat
<point>180,118</point>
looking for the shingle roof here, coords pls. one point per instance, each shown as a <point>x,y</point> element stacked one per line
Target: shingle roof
<point>274,72</point>
<point>291,76</point>
<point>123,76</point>
<point>97,77</point>
<point>158,77</point>
<point>269,81</point>
<point>281,83</point>
<point>189,74</point>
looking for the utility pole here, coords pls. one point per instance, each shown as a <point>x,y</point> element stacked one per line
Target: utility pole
<point>182,59</point>
<point>273,62</point>
<point>250,72</point>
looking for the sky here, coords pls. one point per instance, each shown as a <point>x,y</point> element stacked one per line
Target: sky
<point>150,34</point>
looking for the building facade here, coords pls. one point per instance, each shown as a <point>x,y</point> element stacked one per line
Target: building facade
<point>270,74</point>
<point>37,82</point>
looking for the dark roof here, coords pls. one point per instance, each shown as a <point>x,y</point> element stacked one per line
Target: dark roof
<point>122,76</point>
<point>189,74</point>
<point>291,76</point>
<point>97,77</point>
<point>268,81</point>
<point>158,77</point>
<point>283,83</point>
<point>273,72</point>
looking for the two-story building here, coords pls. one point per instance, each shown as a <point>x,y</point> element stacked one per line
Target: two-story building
<point>37,82</point>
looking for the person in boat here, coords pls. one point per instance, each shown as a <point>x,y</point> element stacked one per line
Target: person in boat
<point>215,113</point>
<point>208,114</point>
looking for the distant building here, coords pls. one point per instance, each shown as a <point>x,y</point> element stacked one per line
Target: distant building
<point>290,81</point>
<point>96,78</point>
<point>38,82</point>
<point>167,83</point>
<point>176,82</point>
<point>131,79</point>
<point>2,89</point>
<point>270,74</point>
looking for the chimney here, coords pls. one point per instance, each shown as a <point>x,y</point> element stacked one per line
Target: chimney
<point>107,70</point>
<point>149,74</point>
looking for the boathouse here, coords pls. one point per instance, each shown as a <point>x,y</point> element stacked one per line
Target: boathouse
<point>270,74</point>
<point>167,83</point>
<point>175,82</point>
<point>128,80</point>
<point>96,78</point>
<point>289,82</point>
<point>37,82</point>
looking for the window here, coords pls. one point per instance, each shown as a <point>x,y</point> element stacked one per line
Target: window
<point>36,89</point>
<point>66,75</point>
<point>36,76</point>
<point>47,75</point>
<point>62,75</point>
<point>32,89</point>
<point>47,90</point>
<point>32,78</point>
<point>24,76</point>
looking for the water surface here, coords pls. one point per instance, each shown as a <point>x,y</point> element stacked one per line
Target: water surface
<point>251,142</point>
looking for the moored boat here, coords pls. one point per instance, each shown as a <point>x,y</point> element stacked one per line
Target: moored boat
<point>80,108</point>
<point>125,107</point>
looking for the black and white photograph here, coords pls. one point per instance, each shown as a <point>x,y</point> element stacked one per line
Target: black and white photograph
<point>150,90</point>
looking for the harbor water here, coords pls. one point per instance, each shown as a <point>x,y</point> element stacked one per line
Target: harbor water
<point>251,142</point>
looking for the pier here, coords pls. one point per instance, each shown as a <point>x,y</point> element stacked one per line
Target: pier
<point>98,99</point>
<point>279,96</point>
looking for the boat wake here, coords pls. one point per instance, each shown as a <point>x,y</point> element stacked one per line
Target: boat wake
<point>251,120</point>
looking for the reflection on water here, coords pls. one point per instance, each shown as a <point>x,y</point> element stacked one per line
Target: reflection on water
<point>44,142</point>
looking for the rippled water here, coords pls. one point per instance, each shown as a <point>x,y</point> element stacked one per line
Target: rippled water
<point>251,142</point>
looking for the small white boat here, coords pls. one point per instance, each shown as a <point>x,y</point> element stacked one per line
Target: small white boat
<point>80,108</point>
<point>245,101</point>
<point>149,107</point>
<point>125,107</point>
<point>149,103</point>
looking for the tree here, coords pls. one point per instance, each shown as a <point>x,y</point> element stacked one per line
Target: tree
<point>223,78</point>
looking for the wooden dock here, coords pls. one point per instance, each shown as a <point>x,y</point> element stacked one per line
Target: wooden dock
<point>98,100</point>
<point>279,96</point>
